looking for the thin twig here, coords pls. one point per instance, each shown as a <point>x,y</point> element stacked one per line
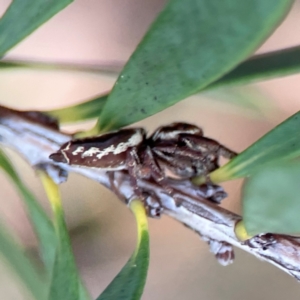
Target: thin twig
<point>35,139</point>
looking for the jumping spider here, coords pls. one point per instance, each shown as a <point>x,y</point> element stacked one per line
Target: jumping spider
<point>179,147</point>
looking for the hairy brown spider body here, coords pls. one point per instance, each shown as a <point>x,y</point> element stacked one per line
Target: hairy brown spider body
<point>179,147</point>
<point>184,150</point>
<point>108,151</point>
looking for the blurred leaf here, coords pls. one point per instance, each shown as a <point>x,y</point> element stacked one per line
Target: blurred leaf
<point>129,283</point>
<point>80,112</point>
<point>83,293</point>
<point>281,143</point>
<point>41,223</point>
<point>248,98</point>
<point>259,67</point>
<point>65,278</point>
<point>22,266</point>
<point>271,201</point>
<point>191,44</point>
<point>65,282</point>
<point>264,66</point>
<point>24,16</point>
<point>108,68</point>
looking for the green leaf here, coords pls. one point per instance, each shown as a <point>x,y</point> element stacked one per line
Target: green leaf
<point>65,283</point>
<point>24,16</point>
<point>108,69</point>
<point>271,200</point>
<point>22,266</point>
<point>262,67</point>
<point>90,109</point>
<point>191,44</point>
<point>250,99</point>
<point>129,283</point>
<point>41,223</point>
<point>83,293</point>
<point>281,143</point>
<point>259,67</point>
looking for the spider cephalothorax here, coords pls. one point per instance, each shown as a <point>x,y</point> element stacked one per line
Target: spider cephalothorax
<point>180,147</point>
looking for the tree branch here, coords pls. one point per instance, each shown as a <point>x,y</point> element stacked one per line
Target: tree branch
<point>36,137</point>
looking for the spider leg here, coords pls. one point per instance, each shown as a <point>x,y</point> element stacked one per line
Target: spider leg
<point>185,160</point>
<point>111,178</point>
<point>207,146</point>
<point>114,188</point>
<point>227,153</point>
<point>158,174</point>
<point>175,149</point>
<point>134,165</point>
<point>138,169</point>
<point>153,204</point>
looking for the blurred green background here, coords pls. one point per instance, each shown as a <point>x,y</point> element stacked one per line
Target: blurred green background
<point>102,229</point>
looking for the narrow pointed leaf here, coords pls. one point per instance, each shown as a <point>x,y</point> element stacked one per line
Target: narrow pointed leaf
<point>41,223</point>
<point>262,67</point>
<point>281,143</point>
<point>65,283</point>
<point>83,293</point>
<point>90,109</point>
<point>109,69</point>
<point>129,283</point>
<point>259,67</point>
<point>22,266</point>
<point>271,200</point>
<point>191,44</point>
<point>24,16</point>
<point>248,98</point>
<point>65,279</point>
